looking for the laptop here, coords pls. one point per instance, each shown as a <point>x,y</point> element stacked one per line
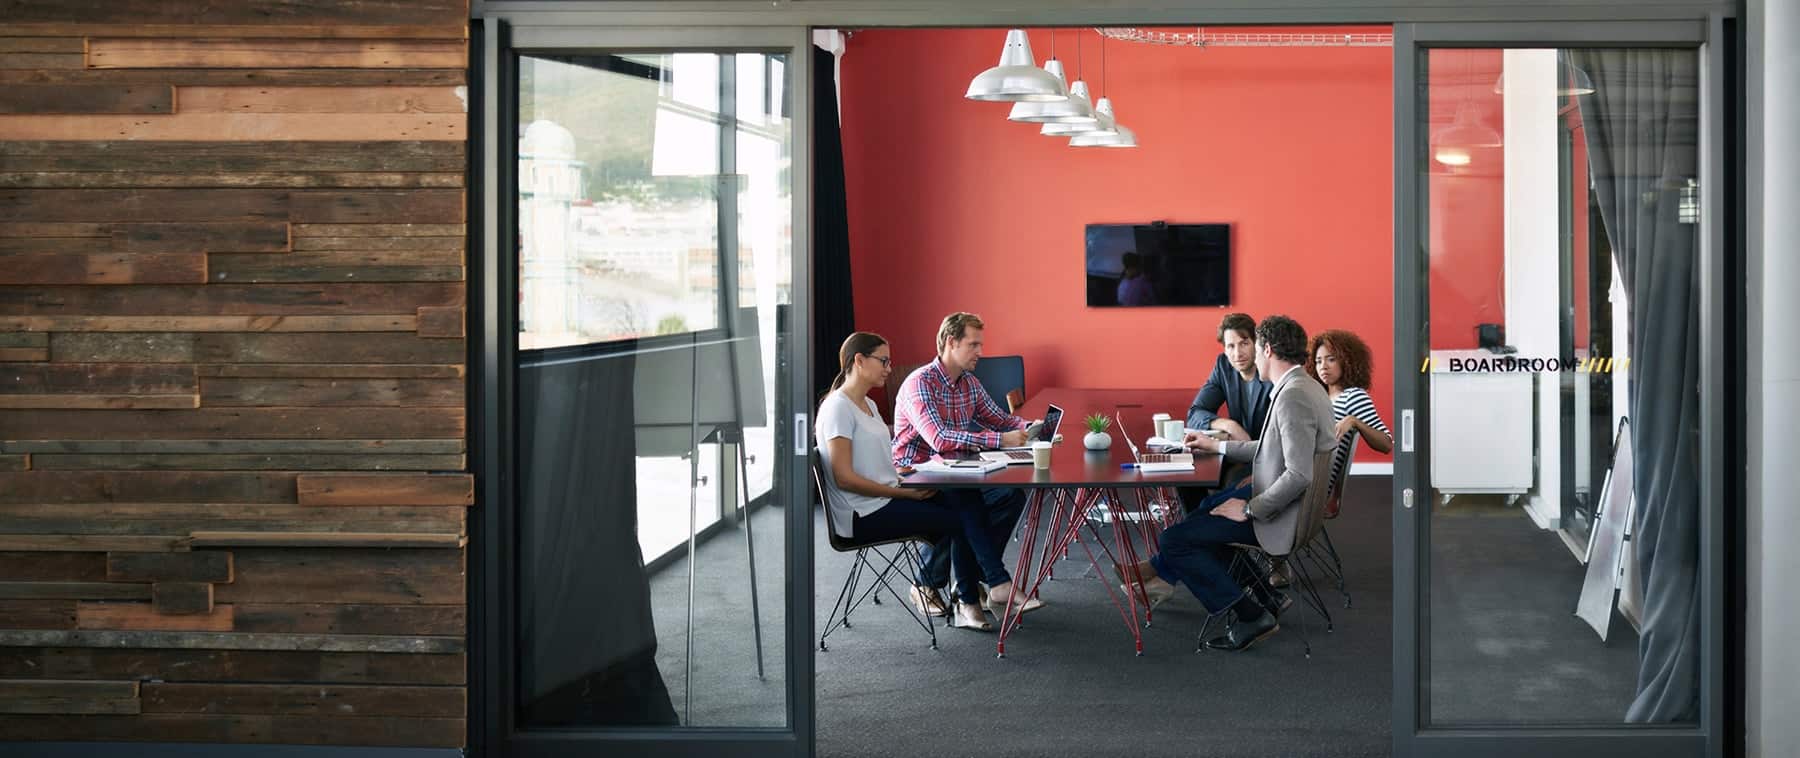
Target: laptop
<point>1155,463</point>
<point>1046,433</point>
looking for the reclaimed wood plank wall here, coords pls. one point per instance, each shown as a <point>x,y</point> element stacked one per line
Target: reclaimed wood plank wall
<point>232,432</point>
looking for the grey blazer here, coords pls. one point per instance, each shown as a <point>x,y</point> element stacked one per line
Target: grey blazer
<point>1299,428</point>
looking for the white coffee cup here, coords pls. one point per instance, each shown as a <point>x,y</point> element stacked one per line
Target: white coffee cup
<point>1174,430</point>
<point>1040,454</point>
<point>1160,421</point>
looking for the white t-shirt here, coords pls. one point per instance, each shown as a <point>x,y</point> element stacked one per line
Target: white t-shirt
<point>871,456</point>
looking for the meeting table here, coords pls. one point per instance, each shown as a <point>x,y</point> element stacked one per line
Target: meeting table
<point>1080,483</point>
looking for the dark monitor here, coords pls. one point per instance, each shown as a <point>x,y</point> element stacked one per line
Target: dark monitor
<point>1158,264</point>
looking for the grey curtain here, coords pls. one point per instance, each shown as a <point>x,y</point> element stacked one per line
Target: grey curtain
<point>1642,125</point>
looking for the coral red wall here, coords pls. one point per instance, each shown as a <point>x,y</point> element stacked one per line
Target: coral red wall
<point>952,207</point>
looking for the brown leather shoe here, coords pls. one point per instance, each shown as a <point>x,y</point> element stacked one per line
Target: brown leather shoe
<point>929,601</point>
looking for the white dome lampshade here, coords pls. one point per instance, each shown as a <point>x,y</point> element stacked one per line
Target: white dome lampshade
<point>1104,124</point>
<point>1121,137</point>
<point>1017,79</point>
<point>1570,80</point>
<point>1076,109</point>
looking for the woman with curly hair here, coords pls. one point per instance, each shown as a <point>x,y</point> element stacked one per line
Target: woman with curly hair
<point>1342,362</point>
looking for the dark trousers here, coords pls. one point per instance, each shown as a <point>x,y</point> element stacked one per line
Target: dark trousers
<point>1001,507</point>
<point>1194,551</point>
<point>957,517</point>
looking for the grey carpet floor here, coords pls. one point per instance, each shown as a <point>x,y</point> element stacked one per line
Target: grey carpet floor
<point>1504,648</point>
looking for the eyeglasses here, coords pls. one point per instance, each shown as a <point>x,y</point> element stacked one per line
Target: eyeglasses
<point>885,362</point>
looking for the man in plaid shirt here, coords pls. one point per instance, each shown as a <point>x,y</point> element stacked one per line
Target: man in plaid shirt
<point>941,408</point>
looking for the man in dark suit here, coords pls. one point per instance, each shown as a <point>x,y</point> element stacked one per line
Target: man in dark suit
<point>1264,512</point>
<point>1235,387</point>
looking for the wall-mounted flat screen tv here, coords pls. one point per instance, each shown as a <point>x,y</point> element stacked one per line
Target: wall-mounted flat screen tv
<point>1158,264</point>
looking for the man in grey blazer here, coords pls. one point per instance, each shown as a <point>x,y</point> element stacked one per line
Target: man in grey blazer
<point>1264,512</point>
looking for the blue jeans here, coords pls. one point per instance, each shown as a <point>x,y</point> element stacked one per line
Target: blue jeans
<point>1001,508</point>
<point>961,518</point>
<point>1194,552</point>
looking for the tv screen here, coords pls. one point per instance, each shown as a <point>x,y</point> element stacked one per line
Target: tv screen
<point>1158,264</point>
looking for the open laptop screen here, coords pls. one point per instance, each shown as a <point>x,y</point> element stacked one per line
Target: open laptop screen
<point>1052,420</point>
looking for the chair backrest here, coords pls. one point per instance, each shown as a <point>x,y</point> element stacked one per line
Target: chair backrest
<point>1000,374</point>
<point>1335,501</point>
<point>817,463</point>
<point>1312,504</point>
<point>1014,400</point>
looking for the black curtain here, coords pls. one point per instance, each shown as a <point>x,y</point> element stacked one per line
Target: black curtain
<point>1642,124</point>
<point>834,316</point>
<point>587,638</point>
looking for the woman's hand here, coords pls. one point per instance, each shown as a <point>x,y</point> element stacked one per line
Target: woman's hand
<point>1346,425</point>
<point>920,494</point>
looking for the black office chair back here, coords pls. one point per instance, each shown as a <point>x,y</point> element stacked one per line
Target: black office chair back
<point>839,544</point>
<point>1000,374</point>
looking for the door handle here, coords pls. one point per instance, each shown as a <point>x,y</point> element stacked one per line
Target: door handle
<point>1406,430</point>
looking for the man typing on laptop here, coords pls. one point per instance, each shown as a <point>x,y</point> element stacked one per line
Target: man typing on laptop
<point>942,409</point>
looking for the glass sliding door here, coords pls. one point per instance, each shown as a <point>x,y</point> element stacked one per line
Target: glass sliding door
<point>1556,544</point>
<point>644,215</point>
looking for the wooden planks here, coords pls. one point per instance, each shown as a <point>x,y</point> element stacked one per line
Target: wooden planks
<point>74,591</point>
<point>198,17</point>
<point>237,126</point>
<point>429,206</point>
<point>232,665</point>
<point>333,700</point>
<point>274,53</point>
<point>328,539</point>
<point>197,566</point>
<point>385,489</point>
<point>232,255</point>
<point>106,268</point>
<point>61,542</point>
<point>86,99</point>
<point>356,618</point>
<point>177,598</point>
<point>332,392</point>
<point>143,527</point>
<point>144,617</point>
<point>247,423</point>
<point>74,697</point>
<point>347,575</point>
<point>283,730</point>
<point>321,100</point>
<point>38,614</point>
<point>146,487</point>
<point>234,157</point>
<point>440,322</point>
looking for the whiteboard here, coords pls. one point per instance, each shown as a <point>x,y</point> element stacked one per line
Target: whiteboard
<point>1606,543</point>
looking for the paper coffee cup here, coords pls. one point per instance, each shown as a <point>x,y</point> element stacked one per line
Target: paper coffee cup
<point>1173,430</point>
<point>1040,454</point>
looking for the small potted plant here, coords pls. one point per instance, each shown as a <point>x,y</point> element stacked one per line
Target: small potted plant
<point>1097,438</point>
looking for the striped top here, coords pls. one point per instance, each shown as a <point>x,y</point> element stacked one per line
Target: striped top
<point>1353,401</point>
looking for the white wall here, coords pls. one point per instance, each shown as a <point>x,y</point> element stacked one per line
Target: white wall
<point>1532,306</point>
<point>1773,540</point>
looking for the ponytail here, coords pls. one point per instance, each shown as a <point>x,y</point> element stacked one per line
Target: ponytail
<point>859,343</point>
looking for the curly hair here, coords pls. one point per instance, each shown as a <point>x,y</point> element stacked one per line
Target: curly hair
<point>1355,362</point>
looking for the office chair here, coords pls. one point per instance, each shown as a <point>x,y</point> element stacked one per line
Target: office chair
<point>1001,374</point>
<point>891,556</point>
<point>1323,552</point>
<point>1258,564</point>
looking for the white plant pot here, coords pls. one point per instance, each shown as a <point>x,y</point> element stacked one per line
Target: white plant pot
<point>1097,441</point>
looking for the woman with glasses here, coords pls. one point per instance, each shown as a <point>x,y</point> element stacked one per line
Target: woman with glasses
<point>864,493</point>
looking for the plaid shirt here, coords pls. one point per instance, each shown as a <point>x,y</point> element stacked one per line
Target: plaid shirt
<point>933,414</point>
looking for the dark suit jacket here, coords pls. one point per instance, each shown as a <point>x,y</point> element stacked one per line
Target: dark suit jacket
<point>1247,402</point>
